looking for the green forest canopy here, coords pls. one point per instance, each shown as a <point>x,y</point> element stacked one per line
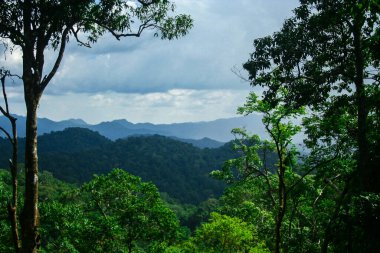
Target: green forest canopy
<point>324,61</point>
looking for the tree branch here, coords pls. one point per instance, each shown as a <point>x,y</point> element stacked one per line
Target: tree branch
<point>47,78</point>
<point>311,170</point>
<point>146,3</point>
<point>12,205</point>
<point>6,133</point>
<point>75,33</point>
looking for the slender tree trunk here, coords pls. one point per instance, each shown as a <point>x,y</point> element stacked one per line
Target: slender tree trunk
<point>13,204</point>
<point>338,204</point>
<point>281,210</point>
<point>130,247</point>
<point>363,170</point>
<point>12,207</point>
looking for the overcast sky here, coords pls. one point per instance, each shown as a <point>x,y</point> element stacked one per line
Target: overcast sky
<point>149,80</point>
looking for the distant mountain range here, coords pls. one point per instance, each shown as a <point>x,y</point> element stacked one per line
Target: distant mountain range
<point>177,168</point>
<point>201,134</point>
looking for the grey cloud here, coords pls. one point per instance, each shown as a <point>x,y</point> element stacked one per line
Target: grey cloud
<point>135,78</point>
<point>176,105</point>
<point>221,38</point>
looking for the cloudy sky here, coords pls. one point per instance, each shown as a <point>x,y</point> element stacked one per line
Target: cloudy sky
<point>149,80</point>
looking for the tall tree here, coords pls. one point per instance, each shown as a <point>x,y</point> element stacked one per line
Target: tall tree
<point>327,50</point>
<point>327,57</point>
<point>277,121</point>
<point>34,26</point>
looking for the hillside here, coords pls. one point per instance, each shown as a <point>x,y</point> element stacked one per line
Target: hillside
<point>180,169</point>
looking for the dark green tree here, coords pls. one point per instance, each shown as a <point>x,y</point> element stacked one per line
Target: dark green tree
<point>326,53</point>
<point>112,213</point>
<point>136,207</point>
<point>327,57</point>
<point>35,26</point>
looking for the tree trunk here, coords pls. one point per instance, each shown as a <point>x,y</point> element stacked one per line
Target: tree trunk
<point>13,204</point>
<point>12,207</point>
<point>30,215</point>
<point>281,207</point>
<point>363,169</point>
<point>338,204</point>
<point>32,93</point>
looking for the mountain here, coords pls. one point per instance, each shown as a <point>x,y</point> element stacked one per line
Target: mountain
<point>218,130</point>
<point>175,167</point>
<point>44,125</point>
<point>202,143</point>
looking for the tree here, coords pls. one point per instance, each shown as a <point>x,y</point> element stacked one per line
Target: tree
<point>226,234</point>
<point>35,26</point>
<point>112,213</point>
<point>327,57</point>
<point>12,138</point>
<point>135,209</point>
<point>277,121</point>
<point>326,53</point>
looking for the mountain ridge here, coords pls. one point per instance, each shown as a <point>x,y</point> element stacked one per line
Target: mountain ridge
<point>175,167</point>
<point>218,130</point>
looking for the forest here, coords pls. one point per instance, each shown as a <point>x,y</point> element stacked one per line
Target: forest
<point>263,195</point>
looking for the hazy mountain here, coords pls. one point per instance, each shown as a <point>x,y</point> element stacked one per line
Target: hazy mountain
<point>219,130</point>
<point>202,143</point>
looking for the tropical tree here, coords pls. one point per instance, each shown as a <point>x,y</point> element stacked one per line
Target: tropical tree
<point>277,122</point>
<point>112,213</point>
<point>277,118</point>
<point>135,206</point>
<point>36,26</point>
<point>226,234</point>
<point>326,57</point>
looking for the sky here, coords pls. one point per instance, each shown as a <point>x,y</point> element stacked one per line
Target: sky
<point>151,80</point>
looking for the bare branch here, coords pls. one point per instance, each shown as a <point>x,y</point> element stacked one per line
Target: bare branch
<point>329,182</point>
<point>47,78</point>
<point>80,42</point>
<point>147,24</point>
<point>146,3</point>
<point>237,71</point>
<point>6,133</point>
<point>325,162</point>
<point>6,112</point>
<point>12,205</point>
<point>142,27</point>
<point>319,196</point>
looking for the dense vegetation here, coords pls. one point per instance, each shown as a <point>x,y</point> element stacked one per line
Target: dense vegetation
<point>321,67</point>
<point>175,167</point>
<point>91,219</point>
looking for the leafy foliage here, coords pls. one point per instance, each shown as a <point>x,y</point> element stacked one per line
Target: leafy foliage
<point>226,234</point>
<point>326,58</point>
<point>113,213</point>
<point>5,227</point>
